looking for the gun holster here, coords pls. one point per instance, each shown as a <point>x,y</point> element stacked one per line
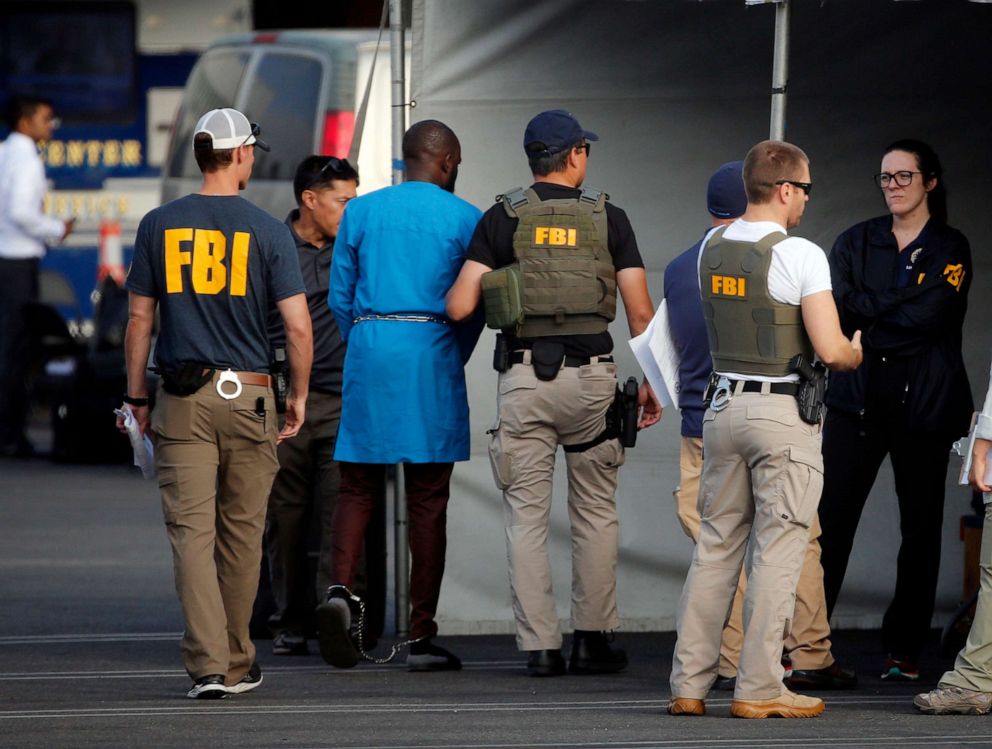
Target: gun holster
<point>501,354</point>
<point>279,368</point>
<point>812,388</point>
<point>628,422</point>
<point>621,420</point>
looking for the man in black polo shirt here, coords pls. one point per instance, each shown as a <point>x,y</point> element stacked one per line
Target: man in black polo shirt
<point>571,250</point>
<point>306,488</point>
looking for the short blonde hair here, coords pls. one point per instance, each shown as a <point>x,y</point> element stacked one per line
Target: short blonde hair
<point>767,163</point>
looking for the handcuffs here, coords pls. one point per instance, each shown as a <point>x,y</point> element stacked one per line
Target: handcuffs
<point>228,376</point>
<point>721,394</point>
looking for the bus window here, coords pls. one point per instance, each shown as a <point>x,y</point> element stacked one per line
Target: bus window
<point>283,99</point>
<point>212,84</point>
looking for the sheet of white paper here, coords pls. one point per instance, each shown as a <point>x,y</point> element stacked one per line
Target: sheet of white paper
<point>144,452</point>
<point>655,352</point>
<point>969,448</point>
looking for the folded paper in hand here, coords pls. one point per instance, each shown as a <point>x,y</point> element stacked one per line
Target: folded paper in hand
<point>966,450</point>
<point>659,359</point>
<point>144,453</point>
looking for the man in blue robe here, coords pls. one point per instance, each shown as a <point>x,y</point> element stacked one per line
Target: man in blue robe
<point>404,400</point>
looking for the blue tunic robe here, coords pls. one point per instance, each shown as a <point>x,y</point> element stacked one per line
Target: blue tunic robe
<point>397,252</point>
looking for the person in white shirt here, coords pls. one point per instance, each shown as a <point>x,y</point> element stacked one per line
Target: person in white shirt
<point>24,233</point>
<point>766,299</point>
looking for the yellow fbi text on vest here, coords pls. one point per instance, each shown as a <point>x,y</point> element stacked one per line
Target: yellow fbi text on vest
<point>728,286</point>
<point>204,251</point>
<point>555,236</point>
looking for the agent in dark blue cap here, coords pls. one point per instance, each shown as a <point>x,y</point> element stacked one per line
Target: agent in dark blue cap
<point>808,644</point>
<point>560,252</point>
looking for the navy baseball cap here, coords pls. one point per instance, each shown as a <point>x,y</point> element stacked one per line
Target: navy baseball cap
<point>725,196</point>
<point>552,132</point>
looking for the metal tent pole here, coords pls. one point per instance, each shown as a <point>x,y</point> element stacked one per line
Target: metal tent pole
<point>780,71</point>
<point>401,548</point>
<point>396,54</point>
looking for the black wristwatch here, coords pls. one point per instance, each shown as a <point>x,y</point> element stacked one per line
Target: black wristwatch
<point>137,402</point>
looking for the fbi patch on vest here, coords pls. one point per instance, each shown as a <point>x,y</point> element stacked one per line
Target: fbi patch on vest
<point>732,286</point>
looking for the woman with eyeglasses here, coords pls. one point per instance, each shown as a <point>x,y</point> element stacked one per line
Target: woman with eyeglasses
<point>901,278</point>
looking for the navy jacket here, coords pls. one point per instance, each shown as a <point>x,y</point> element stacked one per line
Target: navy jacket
<point>911,336</point>
<point>688,329</point>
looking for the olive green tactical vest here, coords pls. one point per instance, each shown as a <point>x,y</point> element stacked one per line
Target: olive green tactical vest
<point>749,332</point>
<point>563,281</point>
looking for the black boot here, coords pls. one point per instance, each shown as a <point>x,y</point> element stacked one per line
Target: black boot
<point>545,663</point>
<point>592,654</point>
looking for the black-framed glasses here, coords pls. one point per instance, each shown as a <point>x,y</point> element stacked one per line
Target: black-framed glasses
<point>587,147</point>
<point>903,178</point>
<point>806,187</point>
<point>337,168</point>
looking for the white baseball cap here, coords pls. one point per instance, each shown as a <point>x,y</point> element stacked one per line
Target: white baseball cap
<point>228,128</point>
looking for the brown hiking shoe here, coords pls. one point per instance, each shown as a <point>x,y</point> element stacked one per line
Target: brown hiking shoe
<point>786,705</point>
<point>686,706</point>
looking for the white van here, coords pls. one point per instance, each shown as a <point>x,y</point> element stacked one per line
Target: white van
<point>303,88</point>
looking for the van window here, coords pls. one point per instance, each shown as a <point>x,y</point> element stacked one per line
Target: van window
<point>212,85</point>
<point>283,98</point>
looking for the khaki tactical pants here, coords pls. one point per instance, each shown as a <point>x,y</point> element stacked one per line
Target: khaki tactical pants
<point>808,644</point>
<point>216,460</point>
<point>534,417</point>
<point>761,483</point>
<point>973,666</point>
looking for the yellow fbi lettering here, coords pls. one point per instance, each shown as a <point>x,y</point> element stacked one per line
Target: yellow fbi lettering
<point>208,273</point>
<point>954,275</point>
<point>728,286</point>
<point>556,236</point>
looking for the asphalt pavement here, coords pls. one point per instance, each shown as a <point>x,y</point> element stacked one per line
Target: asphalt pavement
<point>89,656</point>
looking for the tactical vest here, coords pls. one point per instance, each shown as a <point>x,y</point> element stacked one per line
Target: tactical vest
<point>563,281</point>
<point>749,332</point>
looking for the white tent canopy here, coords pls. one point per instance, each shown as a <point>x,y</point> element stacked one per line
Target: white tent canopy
<point>675,89</point>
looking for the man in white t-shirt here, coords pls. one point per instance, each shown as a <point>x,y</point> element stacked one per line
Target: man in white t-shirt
<point>766,299</point>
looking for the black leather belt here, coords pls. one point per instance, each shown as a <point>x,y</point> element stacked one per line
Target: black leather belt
<point>778,388</point>
<point>517,357</point>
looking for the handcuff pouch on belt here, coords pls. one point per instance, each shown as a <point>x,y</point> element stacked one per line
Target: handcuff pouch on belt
<point>547,358</point>
<point>186,378</point>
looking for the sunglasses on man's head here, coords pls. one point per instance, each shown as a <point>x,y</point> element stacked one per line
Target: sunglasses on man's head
<point>334,167</point>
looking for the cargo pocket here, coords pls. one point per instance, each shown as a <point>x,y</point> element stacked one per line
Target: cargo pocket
<point>168,484</point>
<point>802,486</point>
<point>498,458</point>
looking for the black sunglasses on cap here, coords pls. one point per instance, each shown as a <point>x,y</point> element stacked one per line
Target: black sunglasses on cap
<point>256,130</point>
